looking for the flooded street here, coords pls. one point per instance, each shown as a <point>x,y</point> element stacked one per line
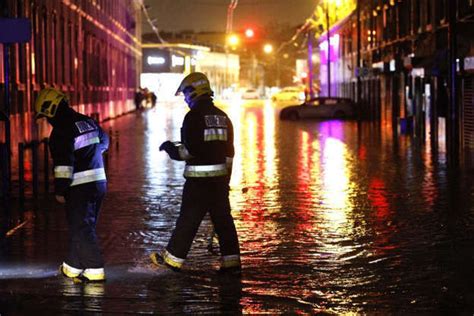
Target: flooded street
<point>332,216</point>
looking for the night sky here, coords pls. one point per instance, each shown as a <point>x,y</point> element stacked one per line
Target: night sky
<point>210,15</point>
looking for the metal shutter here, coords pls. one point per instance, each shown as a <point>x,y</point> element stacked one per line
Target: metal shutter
<point>468,117</point>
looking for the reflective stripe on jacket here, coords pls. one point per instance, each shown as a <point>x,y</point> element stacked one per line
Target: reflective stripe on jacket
<point>77,143</point>
<point>206,141</point>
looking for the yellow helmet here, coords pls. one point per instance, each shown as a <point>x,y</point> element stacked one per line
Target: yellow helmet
<point>194,85</point>
<point>48,101</point>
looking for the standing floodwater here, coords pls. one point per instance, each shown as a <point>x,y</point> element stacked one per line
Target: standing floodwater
<point>332,216</point>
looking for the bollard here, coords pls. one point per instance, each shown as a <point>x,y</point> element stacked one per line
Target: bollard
<point>46,164</point>
<point>117,138</point>
<point>34,150</point>
<point>110,136</point>
<point>106,160</point>
<point>21,170</point>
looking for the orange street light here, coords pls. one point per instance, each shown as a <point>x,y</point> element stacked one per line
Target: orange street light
<point>233,40</point>
<point>268,48</point>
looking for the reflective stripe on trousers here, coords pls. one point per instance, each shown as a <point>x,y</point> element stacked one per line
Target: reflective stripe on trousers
<point>172,260</point>
<point>230,261</point>
<point>87,176</point>
<point>204,171</point>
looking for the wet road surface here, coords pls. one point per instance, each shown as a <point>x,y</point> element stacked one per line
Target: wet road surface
<point>332,216</point>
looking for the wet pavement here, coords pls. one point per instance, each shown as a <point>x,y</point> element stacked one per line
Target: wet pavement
<point>332,216</point>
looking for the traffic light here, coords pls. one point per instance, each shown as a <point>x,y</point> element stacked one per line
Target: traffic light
<point>249,33</point>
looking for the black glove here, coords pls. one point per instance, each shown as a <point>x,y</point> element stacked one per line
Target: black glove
<point>171,149</point>
<point>167,146</point>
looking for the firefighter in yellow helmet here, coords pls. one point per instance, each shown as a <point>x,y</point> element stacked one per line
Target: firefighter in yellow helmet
<point>207,148</point>
<point>76,144</point>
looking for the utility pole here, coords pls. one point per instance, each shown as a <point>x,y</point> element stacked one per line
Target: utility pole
<point>358,65</point>
<point>310,63</point>
<point>230,15</point>
<point>452,124</point>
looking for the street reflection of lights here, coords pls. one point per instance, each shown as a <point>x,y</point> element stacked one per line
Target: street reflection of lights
<point>308,173</point>
<point>94,289</point>
<point>158,178</point>
<point>251,158</point>
<point>270,152</point>
<point>337,185</point>
<point>235,113</point>
<point>335,175</point>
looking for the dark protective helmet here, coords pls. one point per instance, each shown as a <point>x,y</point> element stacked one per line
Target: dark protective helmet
<point>48,101</point>
<point>194,85</point>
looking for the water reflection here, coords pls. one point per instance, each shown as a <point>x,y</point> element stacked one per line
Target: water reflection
<point>332,216</point>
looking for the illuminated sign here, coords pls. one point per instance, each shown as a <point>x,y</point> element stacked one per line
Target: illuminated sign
<point>393,66</point>
<point>156,60</point>
<point>378,65</point>
<point>418,72</point>
<point>177,61</point>
<point>469,63</point>
<point>153,60</point>
<point>323,46</point>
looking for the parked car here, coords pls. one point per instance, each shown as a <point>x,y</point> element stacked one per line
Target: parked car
<point>289,94</point>
<point>250,94</point>
<point>321,107</point>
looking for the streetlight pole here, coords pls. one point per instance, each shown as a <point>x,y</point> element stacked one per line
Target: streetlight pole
<point>329,49</point>
<point>278,73</point>
<point>310,63</point>
<point>358,65</point>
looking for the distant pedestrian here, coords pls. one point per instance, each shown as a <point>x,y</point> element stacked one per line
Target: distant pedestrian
<point>77,143</point>
<point>207,147</point>
<point>138,99</point>
<point>153,99</point>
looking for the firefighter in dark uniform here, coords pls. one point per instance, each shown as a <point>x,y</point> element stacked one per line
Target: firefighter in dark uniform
<point>77,143</point>
<point>207,147</point>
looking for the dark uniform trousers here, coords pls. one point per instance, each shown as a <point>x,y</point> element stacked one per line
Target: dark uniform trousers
<point>82,205</point>
<point>199,197</point>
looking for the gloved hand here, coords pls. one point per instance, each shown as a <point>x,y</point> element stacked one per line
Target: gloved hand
<point>171,149</point>
<point>167,146</point>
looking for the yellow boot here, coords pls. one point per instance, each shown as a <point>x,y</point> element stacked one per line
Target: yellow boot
<point>95,275</point>
<point>69,271</point>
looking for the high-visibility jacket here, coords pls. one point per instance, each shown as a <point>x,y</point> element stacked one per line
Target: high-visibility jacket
<point>207,142</point>
<point>77,143</point>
